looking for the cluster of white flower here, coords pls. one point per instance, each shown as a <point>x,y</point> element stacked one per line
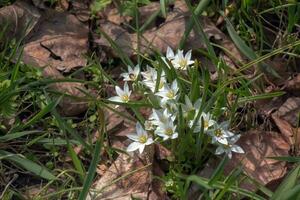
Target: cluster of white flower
<point>161,125</point>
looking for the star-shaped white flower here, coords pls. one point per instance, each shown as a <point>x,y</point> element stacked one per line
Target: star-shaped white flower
<point>123,95</point>
<point>167,130</point>
<point>207,122</point>
<point>220,133</point>
<point>181,61</point>
<point>230,147</point>
<point>161,117</point>
<point>170,54</point>
<point>150,79</point>
<point>132,73</point>
<point>188,108</point>
<point>140,139</point>
<point>168,93</point>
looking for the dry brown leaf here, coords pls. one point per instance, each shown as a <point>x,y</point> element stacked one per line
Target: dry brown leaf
<point>167,34</point>
<point>259,145</point>
<point>293,85</point>
<point>60,41</point>
<point>289,110</point>
<point>285,128</point>
<point>136,185</point>
<point>21,18</point>
<point>267,107</point>
<point>81,9</point>
<point>69,105</point>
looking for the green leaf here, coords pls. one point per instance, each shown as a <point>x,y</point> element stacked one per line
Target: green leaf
<point>27,164</point>
<point>163,8</point>
<point>76,161</point>
<point>91,172</point>
<point>287,184</point>
<point>12,136</point>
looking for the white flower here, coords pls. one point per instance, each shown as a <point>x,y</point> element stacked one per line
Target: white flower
<point>170,54</point>
<point>149,126</point>
<point>220,133</point>
<point>150,78</point>
<point>207,122</point>
<point>123,95</point>
<point>132,74</point>
<point>166,130</point>
<point>141,139</point>
<point>188,108</point>
<point>169,93</point>
<point>161,117</point>
<point>181,61</point>
<point>230,147</point>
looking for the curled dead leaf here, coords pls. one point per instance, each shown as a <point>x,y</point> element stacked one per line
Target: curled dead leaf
<point>290,110</point>
<point>258,146</point>
<point>166,34</point>
<point>293,85</point>
<point>21,19</point>
<point>115,184</point>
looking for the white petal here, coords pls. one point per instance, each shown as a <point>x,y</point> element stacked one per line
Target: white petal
<point>126,88</point>
<point>133,146</point>
<point>188,55</point>
<point>119,91</point>
<point>219,150</point>
<point>229,155</point>
<point>141,148</point>
<point>174,86</point>
<point>237,149</point>
<point>149,141</point>
<point>139,129</point>
<point>133,137</point>
<point>129,68</point>
<point>174,136</point>
<point>228,133</point>
<point>224,125</point>
<point>234,139</point>
<point>170,53</point>
<point>115,98</point>
<point>136,70</point>
<point>222,140</point>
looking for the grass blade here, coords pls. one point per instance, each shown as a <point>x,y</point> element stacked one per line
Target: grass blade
<point>76,161</point>
<point>287,184</point>
<point>91,172</point>
<point>27,164</point>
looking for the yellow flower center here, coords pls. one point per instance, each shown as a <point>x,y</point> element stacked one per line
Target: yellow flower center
<point>161,85</point>
<point>182,63</point>
<point>227,146</point>
<point>170,94</point>
<point>125,98</point>
<point>206,124</point>
<point>143,139</point>
<point>169,131</point>
<point>132,76</point>
<point>218,132</point>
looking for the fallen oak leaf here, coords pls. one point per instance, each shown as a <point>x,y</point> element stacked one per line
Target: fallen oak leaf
<point>290,110</point>
<point>259,146</point>
<point>285,128</point>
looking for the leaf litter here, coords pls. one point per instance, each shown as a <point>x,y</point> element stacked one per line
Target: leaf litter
<point>57,42</point>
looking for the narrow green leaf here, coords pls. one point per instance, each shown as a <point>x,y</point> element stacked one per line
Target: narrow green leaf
<point>91,172</point>
<point>76,161</point>
<point>12,136</point>
<point>42,113</point>
<point>287,184</point>
<point>287,159</point>
<point>27,164</point>
<point>260,96</point>
<point>218,171</point>
<point>163,8</point>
